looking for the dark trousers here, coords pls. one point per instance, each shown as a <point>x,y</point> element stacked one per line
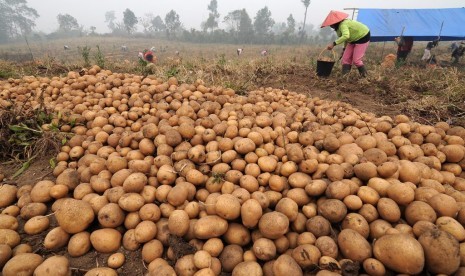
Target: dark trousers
<point>402,55</point>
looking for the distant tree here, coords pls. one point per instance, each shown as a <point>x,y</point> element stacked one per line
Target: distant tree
<point>212,21</point>
<point>146,22</point>
<point>130,21</point>
<point>326,34</point>
<point>16,18</point>
<point>158,25</point>
<point>290,24</point>
<point>110,18</point>
<point>263,23</point>
<point>306,4</point>
<point>172,23</point>
<point>233,20</point>
<point>67,22</point>
<point>92,30</point>
<point>246,31</point>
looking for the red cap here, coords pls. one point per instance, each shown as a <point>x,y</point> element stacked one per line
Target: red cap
<point>333,18</point>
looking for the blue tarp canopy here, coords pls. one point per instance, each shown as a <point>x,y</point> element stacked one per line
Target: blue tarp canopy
<point>422,24</point>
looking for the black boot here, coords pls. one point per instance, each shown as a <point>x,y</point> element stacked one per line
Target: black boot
<point>362,71</point>
<point>346,69</point>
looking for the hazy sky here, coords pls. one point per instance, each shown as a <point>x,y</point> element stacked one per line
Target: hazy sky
<point>193,12</point>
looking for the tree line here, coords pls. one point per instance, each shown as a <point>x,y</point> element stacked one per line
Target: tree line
<point>17,21</point>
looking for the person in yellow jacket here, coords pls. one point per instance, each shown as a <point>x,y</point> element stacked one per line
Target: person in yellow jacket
<point>354,35</point>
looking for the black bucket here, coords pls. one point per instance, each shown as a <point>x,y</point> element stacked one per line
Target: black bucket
<point>324,68</point>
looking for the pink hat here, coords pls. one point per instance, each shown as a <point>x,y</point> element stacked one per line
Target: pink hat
<point>333,18</point>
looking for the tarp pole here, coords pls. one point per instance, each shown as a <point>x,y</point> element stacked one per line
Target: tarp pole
<point>382,51</point>
<point>439,37</point>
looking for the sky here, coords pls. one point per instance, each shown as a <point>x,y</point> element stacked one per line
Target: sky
<point>193,12</point>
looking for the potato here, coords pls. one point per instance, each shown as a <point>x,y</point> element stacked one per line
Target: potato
<point>264,249</point>
<point>152,250</point>
<point>451,226</point>
<point>273,225</point>
<point>9,237</point>
<point>5,254</point>
<point>333,210</point>
<point>22,264</point>
<point>444,205</point>
<point>116,260</point>
<point>388,210</point>
<point>185,265</point>
<point>56,238</point>
<point>33,209</point>
<point>318,226</point>
<point>55,265</point>
<point>327,246</point>
<point>131,202</point>
<point>106,240</point>
<point>101,271</point>
<point>135,182</point>
<point>286,265</point>
<point>228,206</point>
<point>178,223</point>
<point>11,210</point>
<point>401,193</point>
<point>145,231</point>
<point>251,212</point>
<point>307,255</point>
<point>74,216</point>
<point>213,246</point>
<point>374,267</point>
<point>353,245</point>
<point>79,244</point>
<point>400,252</point>
<point>210,227</point>
<point>36,225</point>
<point>248,268</point>
<point>8,222</point>
<point>442,251</point>
<point>356,222</point>
<point>231,256</point>
<point>8,195</point>
<point>237,234</point>
<point>69,177</point>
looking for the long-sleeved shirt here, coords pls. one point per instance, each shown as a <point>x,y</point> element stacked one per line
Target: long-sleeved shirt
<point>350,31</point>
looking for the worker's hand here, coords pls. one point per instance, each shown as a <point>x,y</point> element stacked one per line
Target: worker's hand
<point>330,46</point>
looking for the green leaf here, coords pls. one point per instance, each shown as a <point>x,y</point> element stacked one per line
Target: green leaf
<point>24,167</point>
<point>52,162</point>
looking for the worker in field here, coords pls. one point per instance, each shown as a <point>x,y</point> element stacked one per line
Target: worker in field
<point>147,56</point>
<point>427,53</point>
<point>355,37</point>
<point>458,52</point>
<point>404,47</point>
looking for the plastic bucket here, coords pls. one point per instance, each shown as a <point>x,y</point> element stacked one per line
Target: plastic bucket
<point>324,68</point>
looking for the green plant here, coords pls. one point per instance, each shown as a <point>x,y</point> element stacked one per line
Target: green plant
<point>172,72</point>
<point>99,58</point>
<point>85,53</point>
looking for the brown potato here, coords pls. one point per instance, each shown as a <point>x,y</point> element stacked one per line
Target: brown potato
<point>9,237</point>
<point>74,216</point>
<point>353,245</point>
<point>442,251</point>
<point>273,225</point>
<point>55,265</point>
<point>22,264</point>
<point>106,240</point>
<point>79,244</point>
<point>400,252</point>
<point>286,265</point>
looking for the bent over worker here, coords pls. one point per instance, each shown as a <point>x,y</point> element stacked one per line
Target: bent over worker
<point>354,35</point>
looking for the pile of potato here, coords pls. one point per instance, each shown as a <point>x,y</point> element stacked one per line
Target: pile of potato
<point>272,183</point>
